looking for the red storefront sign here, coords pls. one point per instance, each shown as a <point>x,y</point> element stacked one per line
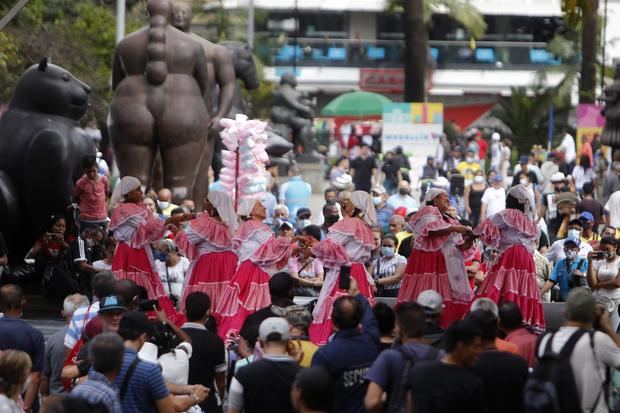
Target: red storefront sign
<point>382,80</point>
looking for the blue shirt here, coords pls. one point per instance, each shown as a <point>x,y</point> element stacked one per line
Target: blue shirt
<point>383,217</point>
<point>295,194</point>
<point>562,273</point>
<point>348,358</point>
<point>146,385</point>
<point>17,334</point>
<point>99,390</point>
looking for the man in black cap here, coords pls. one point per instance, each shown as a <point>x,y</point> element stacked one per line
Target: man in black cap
<point>303,219</point>
<point>281,287</point>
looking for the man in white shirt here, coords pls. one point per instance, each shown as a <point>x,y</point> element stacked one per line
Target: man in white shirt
<point>568,148</point>
<point>493,199</point>
<point>496,152</point>
<point>593,353</point>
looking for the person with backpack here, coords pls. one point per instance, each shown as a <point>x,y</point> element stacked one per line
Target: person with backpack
<point>503,373</point>
<point>389,371</point>
<point>570,374</point>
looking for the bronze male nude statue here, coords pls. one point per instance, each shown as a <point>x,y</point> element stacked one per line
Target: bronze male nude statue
<point>160,80</point>
<point>222,74</point>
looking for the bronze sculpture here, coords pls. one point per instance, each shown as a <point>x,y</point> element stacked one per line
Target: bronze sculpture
<point>611,112</point>
<point>42,149</point>
<point>293,110</point>
<point>160,81</point>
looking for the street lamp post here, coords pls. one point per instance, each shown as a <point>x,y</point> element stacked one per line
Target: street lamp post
<point>251,24</point>
<point>120,20</point>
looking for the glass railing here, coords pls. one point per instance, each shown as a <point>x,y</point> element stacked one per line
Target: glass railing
<point>389,53</point>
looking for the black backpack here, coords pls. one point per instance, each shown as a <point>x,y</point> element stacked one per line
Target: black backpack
<point>551,388</point>
<point>397,401</point>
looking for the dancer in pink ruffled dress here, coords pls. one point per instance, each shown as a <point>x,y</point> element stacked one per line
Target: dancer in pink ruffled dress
<point>349,242</point>
<point>207,243</point>
<point>437,261</point>
<point>512,276</point>
<point>260,255</point>
<point>135,228</point>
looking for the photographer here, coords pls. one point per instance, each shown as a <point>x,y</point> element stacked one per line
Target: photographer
<point>593,352</point>
<point>568,272</point>
<point>603,267</point>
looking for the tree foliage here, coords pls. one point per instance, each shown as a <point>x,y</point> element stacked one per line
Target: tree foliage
<point>76,34</point>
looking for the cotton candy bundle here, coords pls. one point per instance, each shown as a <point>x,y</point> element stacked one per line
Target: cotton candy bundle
<point>247,140</point>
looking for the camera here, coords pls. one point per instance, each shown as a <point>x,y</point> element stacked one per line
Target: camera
<point>147,305</point>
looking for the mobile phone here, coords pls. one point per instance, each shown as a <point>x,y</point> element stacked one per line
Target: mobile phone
<point>344,282</point>
<point>597,255</point>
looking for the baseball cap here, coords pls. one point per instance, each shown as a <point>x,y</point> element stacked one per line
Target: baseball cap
<point>111,303</point>
<point>430,158</point>
<point>402,211</point>
<point>136,321</point>
<point>431,300</point>
<point>524,159</point>
<point>287,225</point>
<point>558,177</point>
<point>495,136</point>
<point>378,189</point>
<point>586,216</point>
<point>276,327</point>
<point>498,178</point>
<point>304,213</point>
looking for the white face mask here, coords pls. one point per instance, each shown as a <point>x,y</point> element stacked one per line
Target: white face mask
<point>524,182</point>
<point>469,159</point>
<point>570,254</point>
<point>303,223</point>
<point>478,179</point>
<point>163,204</point>
<point>574,233</point>
<point>377,200</point>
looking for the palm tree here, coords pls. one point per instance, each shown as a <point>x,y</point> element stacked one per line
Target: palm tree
<point>416,16</point>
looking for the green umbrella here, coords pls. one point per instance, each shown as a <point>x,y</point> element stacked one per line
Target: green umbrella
<point>356,104</point>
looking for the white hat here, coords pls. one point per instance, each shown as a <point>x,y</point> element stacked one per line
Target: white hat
<point>558,177</point>
<point>273,325</point>
<point>495,136</point>
<point>431,300</point>
<point>441,182</point>
<point>343,181</point>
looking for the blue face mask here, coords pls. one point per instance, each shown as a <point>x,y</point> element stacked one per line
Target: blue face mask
<point>387,251</point>
<point>160,255</point>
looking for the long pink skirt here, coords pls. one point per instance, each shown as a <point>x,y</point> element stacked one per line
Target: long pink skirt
<point>322,326</point>
<point>247,292</point>
<point>427,271</point>
<point>134,264</point>
<point>211,274</point>
<point>513,278</point>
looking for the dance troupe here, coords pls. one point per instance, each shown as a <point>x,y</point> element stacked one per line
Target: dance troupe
<point>233,255</point>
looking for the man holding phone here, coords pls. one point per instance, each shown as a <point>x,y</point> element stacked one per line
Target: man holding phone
<point>351,352</point>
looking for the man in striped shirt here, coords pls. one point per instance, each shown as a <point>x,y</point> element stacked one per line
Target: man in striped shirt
<point>103,285</point>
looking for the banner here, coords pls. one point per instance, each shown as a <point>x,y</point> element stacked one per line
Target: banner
<point>415,127</point>
<point>590,124</point>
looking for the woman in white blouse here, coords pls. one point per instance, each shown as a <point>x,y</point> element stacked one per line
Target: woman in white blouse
<point>388,269</point>
<point>603,268</point>
<point>173,270</point>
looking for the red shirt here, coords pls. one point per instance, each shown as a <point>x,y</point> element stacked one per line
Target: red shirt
<point>92,197</point>
<point>483,148</point>
<point>526,342</point>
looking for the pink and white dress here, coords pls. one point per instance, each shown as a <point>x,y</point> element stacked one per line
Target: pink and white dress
<point>349,242</point>
<point>207,243</point>
<point>260,254</point>
<point>437,263</point>
<point>135,228</point>
<point>512,276</point>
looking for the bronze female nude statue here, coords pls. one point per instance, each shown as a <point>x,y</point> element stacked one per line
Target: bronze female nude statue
<point>160,82</point>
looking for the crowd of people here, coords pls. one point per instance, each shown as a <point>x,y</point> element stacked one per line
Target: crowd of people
<point>410,290</point>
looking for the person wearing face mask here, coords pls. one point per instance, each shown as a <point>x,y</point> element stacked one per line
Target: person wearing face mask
<point>331,214</point>
<point>383,210</point>
<point>603,270</point>
<point>569,272</point>
<point>280,215</point>
<point>403,197</point>
<point>303,219</point>
<point>556,250</point>
<point>172,270</point>
<point>473,197</point>
<point>387,270</point>
<point>469,167</point>
<point>164,198</point>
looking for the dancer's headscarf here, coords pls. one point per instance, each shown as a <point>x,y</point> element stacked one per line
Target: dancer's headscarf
<point>434,193</point>
<point>222,202</point>
<point>363,201</point>
<point>125,186</point>
<point>245,207</point>
<point>525,197</point>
